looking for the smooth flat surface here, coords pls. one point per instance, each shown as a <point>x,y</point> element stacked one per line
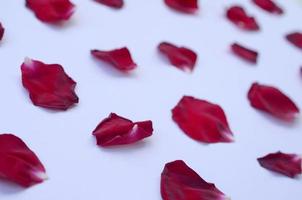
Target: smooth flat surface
<point>78,169</point>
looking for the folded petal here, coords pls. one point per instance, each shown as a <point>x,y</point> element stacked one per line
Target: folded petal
<point>180,182</point>
<point>181,57</point>
<point>48,85</point>
<point>116,130</point>
<point>202,120</point>
<point>239,17</point>
<point>119,58</point>
<point>112,3</point>
<point>295,38</point>
<point>287,164</point>
<point>184,6</point>
<point>269,6</point>
<point>271,100</point>
<point>1,31</point>
<point>51,11</point>
<point>18,163</point>
<point>245,53</point>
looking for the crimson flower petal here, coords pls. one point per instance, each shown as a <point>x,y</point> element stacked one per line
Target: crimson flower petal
<point>272,101</point>
<point>120,58</point>
<point>116,130</point>
<point>295,39</point>
<point>202,120</point>
<point>181,57</point>
<point>51,11</point>
<point>238,16</point>
<point>269,6</point>
<point>245,53</point>
<point>180,182</point>
<point>287,164</point>
<point>18,163</point>
<point>1,31</point>
<point>48,85</point>
<point>112,3</point>
<point>184,6</point>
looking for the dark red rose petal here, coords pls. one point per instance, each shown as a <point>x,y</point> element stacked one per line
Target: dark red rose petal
<point>202,120</point>
<point>287,164</point>
<point>1,31</point>
<point>295,39</point>
<point>181,57</point>
<point>238,16</point>
<point>51,11</point>
<point>116,130</point>
<point>272,101</point>
<point>48,85</point>
<point>184,6</point>
<point>269,6</point>
<point>18,163</point>
<point>120,58</point>
<point>180,182</point>
<point>112,3</point>
<point>245,53</point>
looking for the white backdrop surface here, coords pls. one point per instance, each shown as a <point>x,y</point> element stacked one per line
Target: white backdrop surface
<point>79,170</point>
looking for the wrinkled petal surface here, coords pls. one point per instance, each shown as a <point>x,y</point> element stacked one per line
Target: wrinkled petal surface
<point>1,31</point>
<point>245,53</point>
<point>181,57</point>
<point>287,164</point>
<point>120,58</point>
<point>116,130</point>
<point>269,6</point>
<point>295,39</point>
<point>271,100</point>
<point>18,163</point>
<point>180,182</point>
<point>51,11</point>
<point>238,16</point>
<point>112,3</point>
<point>184,6</point>
<point>48,85</point>
<point>202,120</point>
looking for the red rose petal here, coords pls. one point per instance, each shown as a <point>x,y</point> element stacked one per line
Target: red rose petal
<point>112,3</point>
<point>287,164</point>
<point>269,6</point>
<point>181,57</point>
<point>18,163</point>
<point>116,130</point>
<point>184,6</point>
<point>48,85</point>
<point>180,182</point>
<point>295,39</point>
<point>238,16</point>
<point>1,31</point>
<point>51,11</point>
<point>245,53</point>
<point>120,58</point>
<point>202,120</point>
<point>272,101</point>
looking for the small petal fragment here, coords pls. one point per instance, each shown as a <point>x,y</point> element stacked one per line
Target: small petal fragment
<point>112,3</point>
<point>18,163</point>
<point>116,130</point>
<point>202,120</point>
<point>48,85</point>
<point>245,53</point>
<point>184,6</point>
<point>238,16</point>
<point>295,39</point>
<point>287,164</point>
<point>271,100</point>
<point>51,11</point>
<point>269,6</point>
<point>181,57</point>
<point>180,182</point>
<point>120,58</point>
<point>1,31</point>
